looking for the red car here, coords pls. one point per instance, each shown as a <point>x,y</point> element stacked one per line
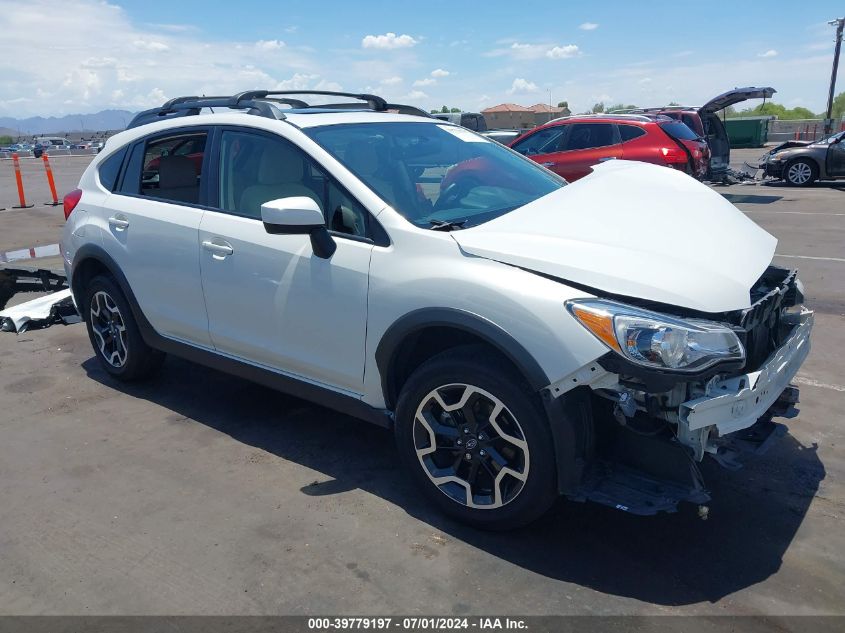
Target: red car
<point>571,146</point>
<point>704,121</point>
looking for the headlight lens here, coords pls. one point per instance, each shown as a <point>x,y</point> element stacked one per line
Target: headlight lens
<point>656,340</point>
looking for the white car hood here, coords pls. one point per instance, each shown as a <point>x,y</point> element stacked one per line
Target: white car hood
<point>636,230</point>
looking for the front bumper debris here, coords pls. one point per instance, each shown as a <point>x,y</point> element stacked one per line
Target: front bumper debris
<point>737,402</point>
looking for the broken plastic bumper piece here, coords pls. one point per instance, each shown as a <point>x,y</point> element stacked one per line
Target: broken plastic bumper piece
<point>736,403</point>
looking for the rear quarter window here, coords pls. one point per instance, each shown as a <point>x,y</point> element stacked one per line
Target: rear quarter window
<point>109,169</point>
<point>678,130</point>
<point>630,132</point>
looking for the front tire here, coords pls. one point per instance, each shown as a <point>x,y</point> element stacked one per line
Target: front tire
<point>476,439</point>
<point>801,173</point>
<point>114,334</point>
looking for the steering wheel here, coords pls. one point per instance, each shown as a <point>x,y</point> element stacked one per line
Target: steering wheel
<point>455,192</point>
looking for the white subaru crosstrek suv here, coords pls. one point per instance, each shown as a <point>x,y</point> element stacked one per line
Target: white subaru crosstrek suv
<point>524,338</point>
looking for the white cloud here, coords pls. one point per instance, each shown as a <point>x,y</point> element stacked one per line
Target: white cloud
<point>415,95</point>
<point>152,46</point>
<point>299,81</point>
<point>388,41</point>
<point>769,53</point>
<point>521,86</point>
<point>589,26</point>
<point>522,52</point>
<point>269,45</point>
<point>428,81</point>
<point>391,81</point>
<point>439,72</point>
<point>562,52</point>
<point>528,51</point>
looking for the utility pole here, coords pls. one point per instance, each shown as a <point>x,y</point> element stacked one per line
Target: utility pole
<point>828,121</point>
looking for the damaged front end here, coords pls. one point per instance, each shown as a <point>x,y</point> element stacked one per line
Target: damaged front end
<point>650,427</point>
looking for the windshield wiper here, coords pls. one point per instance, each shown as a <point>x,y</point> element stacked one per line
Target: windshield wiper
<point>441,225</point>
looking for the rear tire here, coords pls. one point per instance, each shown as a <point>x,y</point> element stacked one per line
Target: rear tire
<point>486,458</point>
<point>114,334</point>
<point>801,172</point>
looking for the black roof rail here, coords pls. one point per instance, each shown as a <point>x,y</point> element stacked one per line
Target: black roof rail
<point>261,102</point>
<point>374,101</point>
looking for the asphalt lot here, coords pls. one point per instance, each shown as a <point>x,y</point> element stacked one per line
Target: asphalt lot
<point>199,493</point>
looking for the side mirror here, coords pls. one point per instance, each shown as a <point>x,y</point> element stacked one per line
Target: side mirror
<point>299,215</point>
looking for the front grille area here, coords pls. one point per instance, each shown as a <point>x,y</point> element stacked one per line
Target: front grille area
<point>760,324</point>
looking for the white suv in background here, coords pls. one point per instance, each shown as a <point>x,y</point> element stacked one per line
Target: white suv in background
<point>524,338</point>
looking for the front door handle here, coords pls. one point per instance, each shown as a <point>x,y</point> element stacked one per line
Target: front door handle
<point>604,158</point>
<point>548,164</point>
<point>218,250</point>
<point>119,222</point>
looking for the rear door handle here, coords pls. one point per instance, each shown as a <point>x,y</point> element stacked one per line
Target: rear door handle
<point>119,222</point>
<point>604,158</point>
<point>219,250</point>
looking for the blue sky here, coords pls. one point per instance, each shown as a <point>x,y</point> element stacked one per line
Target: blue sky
<point>470,55</point>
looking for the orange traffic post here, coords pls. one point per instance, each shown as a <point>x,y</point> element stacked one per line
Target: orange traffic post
<point>23,204</point>
<point>50,181</point>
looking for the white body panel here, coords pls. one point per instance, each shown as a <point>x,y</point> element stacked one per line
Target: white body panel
<point>273,302</point>
<point>636,230</point>
<point>426,269</point>
<point>158,252</point>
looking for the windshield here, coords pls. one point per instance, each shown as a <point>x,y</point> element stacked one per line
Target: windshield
<point>831,139</point>
<point>437,174</point>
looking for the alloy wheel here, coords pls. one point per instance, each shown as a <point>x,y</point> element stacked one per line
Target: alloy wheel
<point>471,446</point>
<point>109,328</point>
<point>799,173</point>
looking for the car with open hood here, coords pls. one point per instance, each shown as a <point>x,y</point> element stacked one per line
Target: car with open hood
<point>521,337</point>
<point>801,163</point>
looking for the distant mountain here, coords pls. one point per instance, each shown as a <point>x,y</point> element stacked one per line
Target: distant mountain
<point>96,122</point>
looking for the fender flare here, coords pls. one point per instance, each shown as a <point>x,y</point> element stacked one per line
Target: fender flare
<point>418,320</point>
<point>89,252</point>
<point>569,417</point>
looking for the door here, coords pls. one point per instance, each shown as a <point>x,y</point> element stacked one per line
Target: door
<point>835,161</point>
<point>543,146</point>
<point>151,228</point>
<point>587,145</point>
<point>270,300</point>
<point>719,144</point>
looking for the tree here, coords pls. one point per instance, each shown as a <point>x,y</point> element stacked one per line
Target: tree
<point>563,104</point>
<point>444,109</point>
<point>598,107</point>
<point>456,110</point>
<point>435,111</point>
<point>674,103</point>
<point>838,106</point>
<point>771,108</point>
<point>6,140</point>
<point>620,106</point>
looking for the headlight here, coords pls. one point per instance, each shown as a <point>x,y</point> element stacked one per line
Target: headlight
<point>776,158</point>
<point>656,340</point>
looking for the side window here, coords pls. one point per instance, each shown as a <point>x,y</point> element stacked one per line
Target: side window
<point>543,142</point>
<point>589,135</point>
<point>172,167</point>
<point>110,169</point>
<point>630,132</point>
<point>255,169</point>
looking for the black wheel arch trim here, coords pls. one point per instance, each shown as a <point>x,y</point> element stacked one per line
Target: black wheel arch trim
<point>568,416</point>
<point>423,318</point>
<point>274,380</point>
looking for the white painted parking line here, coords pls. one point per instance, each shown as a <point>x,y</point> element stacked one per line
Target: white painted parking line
<point>804,380</point>
<point>824,259</point>
<point>792,212</point>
